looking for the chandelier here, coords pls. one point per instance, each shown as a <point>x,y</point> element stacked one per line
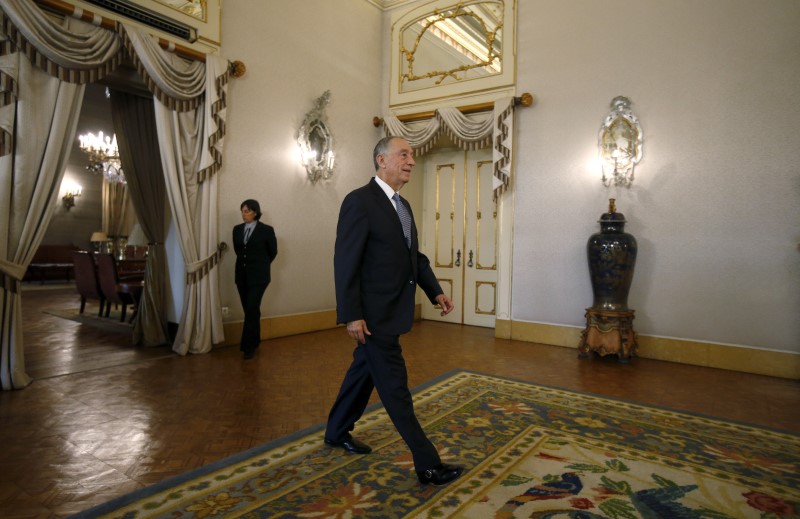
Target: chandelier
<point>103,156</point>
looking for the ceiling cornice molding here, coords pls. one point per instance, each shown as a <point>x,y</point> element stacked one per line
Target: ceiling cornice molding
<point>386,5</point>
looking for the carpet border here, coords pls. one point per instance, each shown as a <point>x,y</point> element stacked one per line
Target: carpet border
<point>136,495</point>
<point>618,399</point>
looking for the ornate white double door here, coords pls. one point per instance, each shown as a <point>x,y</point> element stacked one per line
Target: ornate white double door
<point>460,234</point>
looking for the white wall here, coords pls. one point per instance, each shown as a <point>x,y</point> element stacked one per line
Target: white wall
<point>715,206</point>
<point>716,203</point>
<point>294,51</point>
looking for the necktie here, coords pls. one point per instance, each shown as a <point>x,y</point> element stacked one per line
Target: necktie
<point>247,231</point>
<point>405,218</point>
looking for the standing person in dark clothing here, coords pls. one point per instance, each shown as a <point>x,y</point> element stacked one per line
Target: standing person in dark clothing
<point>377,266</point>
<point>255,246</point>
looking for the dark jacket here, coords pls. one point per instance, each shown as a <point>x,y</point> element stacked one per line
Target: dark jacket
<point>376,273</point>
<point>253,259</point>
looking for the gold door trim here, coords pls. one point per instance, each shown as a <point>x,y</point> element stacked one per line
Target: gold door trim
<point>493,311</point>
<point>439,214</point>
<point>478,215</point>
<point>449,294</point>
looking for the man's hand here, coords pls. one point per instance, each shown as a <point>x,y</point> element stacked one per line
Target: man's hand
<point>446,304</point>
<point>358,330</point>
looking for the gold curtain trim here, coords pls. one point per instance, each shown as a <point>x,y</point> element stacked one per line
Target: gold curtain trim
<point>504,152</point>
<point>220,104</point>
<point>8,94</point>
<point>200,269</point>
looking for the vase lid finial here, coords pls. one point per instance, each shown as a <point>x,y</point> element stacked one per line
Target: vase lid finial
<point>612,216</point>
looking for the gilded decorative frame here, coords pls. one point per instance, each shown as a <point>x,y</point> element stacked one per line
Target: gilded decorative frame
<point>448,83</point>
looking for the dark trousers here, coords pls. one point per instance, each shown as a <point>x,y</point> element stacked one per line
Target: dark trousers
<point>250,296</point>
<point>379,364</point>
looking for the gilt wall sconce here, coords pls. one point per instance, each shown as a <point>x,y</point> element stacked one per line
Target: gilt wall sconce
<point>315,141</point>
<point>70,193</point>
<point>619,143</point>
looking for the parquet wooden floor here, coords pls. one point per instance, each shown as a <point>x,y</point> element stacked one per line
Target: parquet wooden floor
<point>104,418</point>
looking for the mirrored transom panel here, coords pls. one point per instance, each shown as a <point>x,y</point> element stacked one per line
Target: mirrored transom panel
<point>454,44</point>
<point>444,48</point>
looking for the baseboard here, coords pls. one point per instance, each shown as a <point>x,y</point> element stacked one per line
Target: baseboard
<point>713,355</point>
<point>736,358</point>
<point>283,325</point>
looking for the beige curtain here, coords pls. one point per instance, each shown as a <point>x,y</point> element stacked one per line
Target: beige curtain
<point>135,125</point>
<point>191,154</point>
<point>39,112</point>
<point>494,129</point>
<point>194,209</point>
<point>43,65</point>
<point>46,117</point>
<point>118,216</point>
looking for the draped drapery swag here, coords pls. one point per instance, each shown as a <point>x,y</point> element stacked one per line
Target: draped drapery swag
<point>44,65</point>
<point>493,129</point>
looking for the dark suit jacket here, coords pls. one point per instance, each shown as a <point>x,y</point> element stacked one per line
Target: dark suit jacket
<point>376,273</point>
<point>253,259</point>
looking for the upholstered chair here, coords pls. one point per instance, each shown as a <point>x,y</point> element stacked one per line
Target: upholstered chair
<point>109,284</point>
<point>86,281</point>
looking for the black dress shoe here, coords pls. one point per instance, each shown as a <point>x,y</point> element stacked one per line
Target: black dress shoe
<point>441,475</point>
<point>351,445</point>
<point>248,355</point>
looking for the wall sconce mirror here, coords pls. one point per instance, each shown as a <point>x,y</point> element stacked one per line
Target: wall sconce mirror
<point>620,143</point>
<point>71,191</point>
<point>316,142</point>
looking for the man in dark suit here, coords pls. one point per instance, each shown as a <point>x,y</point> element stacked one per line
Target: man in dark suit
<point>377,267</point>
<point>255,246</point>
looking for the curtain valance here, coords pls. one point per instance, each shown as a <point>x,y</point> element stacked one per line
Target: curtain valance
<point>179,84</point>
<point>85,53</point>
<point>80,53</point>
<point>45,63</point>
<point>494,129</point>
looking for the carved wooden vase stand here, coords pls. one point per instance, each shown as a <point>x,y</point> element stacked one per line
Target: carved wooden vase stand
<point>609,321</point>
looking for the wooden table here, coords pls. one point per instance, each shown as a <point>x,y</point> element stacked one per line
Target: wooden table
<point>131,267</point>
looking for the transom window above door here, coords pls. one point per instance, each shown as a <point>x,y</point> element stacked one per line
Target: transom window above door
<point>448,48</point>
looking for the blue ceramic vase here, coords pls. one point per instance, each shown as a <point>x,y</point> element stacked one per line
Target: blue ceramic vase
<point>612,257</point>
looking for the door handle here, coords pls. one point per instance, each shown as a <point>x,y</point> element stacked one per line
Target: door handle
<point>469,263</point>
<point>458,258</point>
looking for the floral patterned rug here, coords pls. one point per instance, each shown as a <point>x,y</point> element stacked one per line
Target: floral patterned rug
<point>530,451</point>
